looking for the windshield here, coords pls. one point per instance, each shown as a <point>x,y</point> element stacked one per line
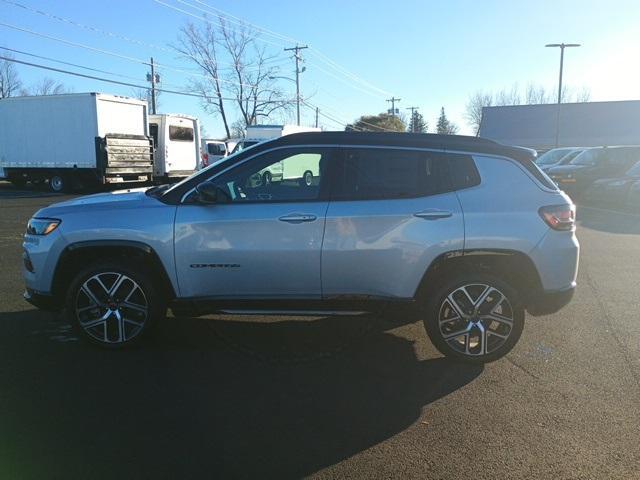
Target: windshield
<point>588,157</point>
<point>553,156</point>
<point>634,171</point>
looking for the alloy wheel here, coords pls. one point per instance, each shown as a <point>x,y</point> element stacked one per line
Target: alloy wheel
<point>111,307</point>
<point>476,319</point>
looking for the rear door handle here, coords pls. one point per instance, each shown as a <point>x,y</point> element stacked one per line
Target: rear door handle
<point>433,214</point>
<point>297,218</point>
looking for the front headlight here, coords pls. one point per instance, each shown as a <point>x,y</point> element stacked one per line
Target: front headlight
<point>42,226</point>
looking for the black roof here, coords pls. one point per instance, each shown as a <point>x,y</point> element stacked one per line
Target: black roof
<point>400,139</point>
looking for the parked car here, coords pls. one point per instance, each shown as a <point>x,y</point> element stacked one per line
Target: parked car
<point>557,157</point>
<point>212,151</point>
<point>390,219</point>
<point>593,164</point>
<point>617,192</point>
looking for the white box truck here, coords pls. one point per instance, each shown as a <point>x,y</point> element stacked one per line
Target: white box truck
<point>177,141</point>
<point>74,140</point>
<point>262,133</point>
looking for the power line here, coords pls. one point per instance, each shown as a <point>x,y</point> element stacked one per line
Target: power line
<point>117,82</point>
<point>124,57</point>
<point>321,56</point>
<point>104,32</point>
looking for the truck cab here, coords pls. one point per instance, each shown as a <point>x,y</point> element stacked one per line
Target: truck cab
<point>177,145</point>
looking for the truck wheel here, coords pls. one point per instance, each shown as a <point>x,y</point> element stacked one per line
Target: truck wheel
<point>476,318</point>
<point>308,178</point>
<point>57,183</point>
<point>266,178</point>
<point>112,304</point>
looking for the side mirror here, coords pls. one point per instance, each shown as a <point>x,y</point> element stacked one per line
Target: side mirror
<point>209,193</point>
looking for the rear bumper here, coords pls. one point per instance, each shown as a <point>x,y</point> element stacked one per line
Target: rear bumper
<point>550,302</point>
<point>43,301</point>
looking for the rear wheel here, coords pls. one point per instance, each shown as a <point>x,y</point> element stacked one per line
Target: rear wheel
<point>57,183</point>
<point>112,304</point>
<point>308,178</point>
<point>266,178</point>
<point>474,318</point>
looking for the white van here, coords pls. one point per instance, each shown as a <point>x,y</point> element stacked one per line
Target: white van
<point>177,145</point>
<point>212,151</point>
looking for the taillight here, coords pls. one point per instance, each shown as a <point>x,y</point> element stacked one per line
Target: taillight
<point>205,159</point>
<point>559,217</point>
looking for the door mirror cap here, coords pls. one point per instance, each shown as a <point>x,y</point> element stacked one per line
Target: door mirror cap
<point>209,193</point>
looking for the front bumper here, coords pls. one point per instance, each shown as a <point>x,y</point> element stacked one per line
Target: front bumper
<point>43,301</point>
<point>549,302</point>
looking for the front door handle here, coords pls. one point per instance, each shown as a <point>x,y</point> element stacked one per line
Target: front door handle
<point>297,218</point>
<point>433,214</point>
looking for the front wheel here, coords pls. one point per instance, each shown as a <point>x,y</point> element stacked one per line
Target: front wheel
<point>112,304</point>
<point>476,319</point>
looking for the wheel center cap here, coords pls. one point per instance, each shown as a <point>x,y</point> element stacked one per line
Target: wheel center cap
<point>112,305</point>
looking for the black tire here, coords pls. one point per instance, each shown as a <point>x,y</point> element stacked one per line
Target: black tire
<point>58,183</point>
<point>77,300</point>
<point>307,178</point>
<point>439,307</point>
<point>266,178</point>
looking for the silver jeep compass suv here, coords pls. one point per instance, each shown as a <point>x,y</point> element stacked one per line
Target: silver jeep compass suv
<point>467,232</point>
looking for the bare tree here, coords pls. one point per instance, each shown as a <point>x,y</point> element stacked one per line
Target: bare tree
<point>536,94</point>
<point>144,94</point>
<point>238,128</point>
<point>247,86</point>
<point>583,95</point>
<point>508,97</point>
<point>46,86</point>
<point>473,109</point>
<point>10,83</point>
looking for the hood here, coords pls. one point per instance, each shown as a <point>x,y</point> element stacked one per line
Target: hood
<point>121,199</point>
<point>566,169</point>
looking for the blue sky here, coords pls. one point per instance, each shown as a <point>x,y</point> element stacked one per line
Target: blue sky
<point>428,53</point>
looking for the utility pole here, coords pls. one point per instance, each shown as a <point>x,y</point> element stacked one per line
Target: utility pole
<point>561,46</point>
<point>393,101</point>
<point>413,124</point>
<point>317,112</point>
<point>297,56</point>
<point>153,78</point>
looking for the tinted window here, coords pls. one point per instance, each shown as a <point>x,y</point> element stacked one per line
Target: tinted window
<point>464,173</point>
<point>215,149</point>
<point>588,157</point>
<point>180,134</point>
<point>386,173</point>
<point>279,176</point>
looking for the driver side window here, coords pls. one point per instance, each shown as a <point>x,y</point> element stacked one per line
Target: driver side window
<point>287,175</point>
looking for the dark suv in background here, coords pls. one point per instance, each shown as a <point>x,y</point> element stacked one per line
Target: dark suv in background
<point>593,164</point>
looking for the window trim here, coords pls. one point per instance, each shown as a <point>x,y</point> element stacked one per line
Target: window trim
<point>473,154</point>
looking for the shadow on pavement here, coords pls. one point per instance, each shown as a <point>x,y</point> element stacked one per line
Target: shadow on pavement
<point>209,398</point>
<point>608,220</point>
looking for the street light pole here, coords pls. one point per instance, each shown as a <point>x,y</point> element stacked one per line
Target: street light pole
<point>561,46</point>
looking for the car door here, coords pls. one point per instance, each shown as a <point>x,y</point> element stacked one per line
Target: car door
<point>265,241</point>
<point>392,213</point>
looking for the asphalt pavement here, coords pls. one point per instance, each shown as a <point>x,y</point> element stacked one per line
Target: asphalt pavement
<point>352,397</point>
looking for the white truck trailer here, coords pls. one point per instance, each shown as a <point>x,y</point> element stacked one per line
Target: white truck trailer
<point>177,141</point>
<point>74,140</point>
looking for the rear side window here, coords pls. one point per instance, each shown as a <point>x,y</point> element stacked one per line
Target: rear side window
<point>386,173</point>
<point>180,134</point>
<point>464,173</point>
<point>539,175</point>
